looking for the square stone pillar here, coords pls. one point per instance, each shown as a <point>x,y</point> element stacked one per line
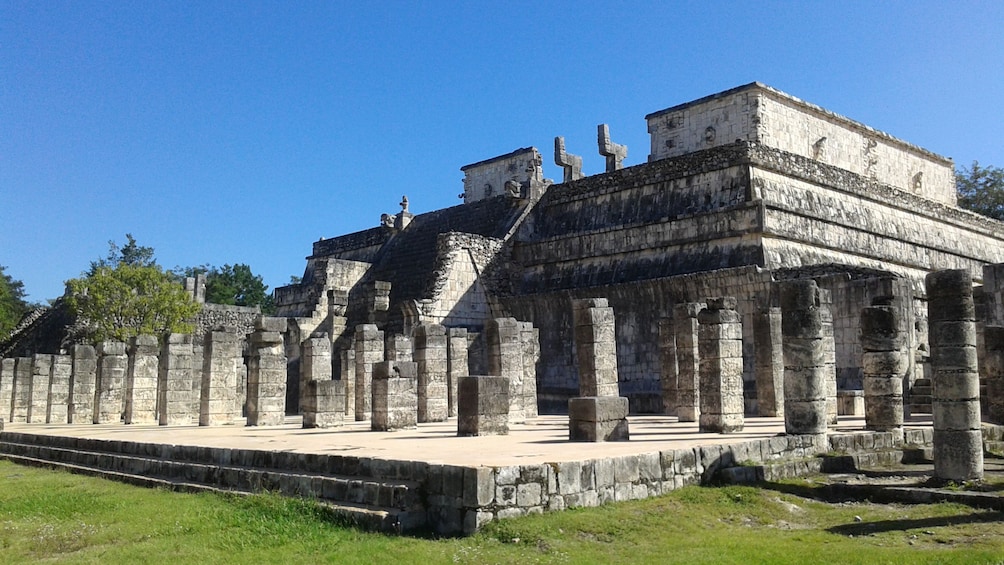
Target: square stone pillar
<point>483,406</point>
<point>599,414</point>
<point>369,352</point>
<point>395,396</point>
<point>108,391</point>
<point>58,403</point>
<point>720,346</point>
<point>431,361</point>
<point>324,404</point>
<point>141,380</point>
<point>805,370</point>
<point>505,359</point>
<point>6,388</point>
<point>315,363</point>
<point>668,372</point>
<point>688,407</point>
<point>768,361</point>
<point>829,355</point>
<point>85,366</point>
<point>266,404</point>
<point>21,391</point>
<point>529,338</point>
<point>218,400</point>
<point>598,418</point>
<point>348,375</point>
<point>38,388</point>
<point>993,365</point>
<point>457,364</point>
<point>399,348</point>
<point>177,406</point>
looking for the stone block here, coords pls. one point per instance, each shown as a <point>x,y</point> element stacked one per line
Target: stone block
<point>483,406</point>
<point>598,419</point>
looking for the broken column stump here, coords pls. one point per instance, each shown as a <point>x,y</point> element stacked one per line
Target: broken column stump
<point>720,346</point>
<point>955,384</point>
<point>324,404</point>
<point>598,418</point>
<point>395,396</point>
<point>482,406</point>
<point>804,359</point>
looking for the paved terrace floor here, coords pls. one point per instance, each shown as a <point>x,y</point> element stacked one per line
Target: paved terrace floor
<point>541,440</point>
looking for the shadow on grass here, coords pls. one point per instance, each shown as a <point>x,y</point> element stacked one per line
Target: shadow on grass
<point>866,528</point>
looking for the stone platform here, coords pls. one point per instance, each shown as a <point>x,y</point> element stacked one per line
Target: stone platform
<point>426,477</point>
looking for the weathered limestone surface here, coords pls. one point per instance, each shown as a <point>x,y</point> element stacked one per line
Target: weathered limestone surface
<point>829,355</point>
<point>112,367</point>
<point>315,363</point>
<point>993,364</point>
<point>598,418</point>
<point>347,374</point>
<point>85,366</point>
<point>483,406</point>
<point>958,439</point>
<point>505,359</point>
<point>324,404</point>
<point>668,369</point>
<point>685,327</point>
<point>369,352</point>
<point>457,363</point>
<point>431,360</point>
<point>141,381</point>
<point>720,347</point>
<point>6,387</point>
<point>596,348</point>
<point>58,401</point>
<point>38,388</point>
<point>21,390</point>
<point>885,363</point>
<point>768,361</point>
<point>395,396</point>
<point>218,400</point>
<point>266,405</point>
<point>805,370</point>
<point>529,338</point>
<point>178,406</point>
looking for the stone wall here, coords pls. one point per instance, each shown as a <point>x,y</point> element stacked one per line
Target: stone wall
<point>488,178</point>
<point>459,297</point>
<point>757,113</point>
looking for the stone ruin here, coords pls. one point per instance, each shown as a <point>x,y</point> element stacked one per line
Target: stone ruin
<point>770,259</point>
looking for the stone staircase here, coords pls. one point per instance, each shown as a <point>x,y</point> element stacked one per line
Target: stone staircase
<point>370,493</point>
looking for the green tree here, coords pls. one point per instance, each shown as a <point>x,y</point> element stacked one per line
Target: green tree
<point>981,189</point>
<point>12,303</point>
<point>238,286</point>
<point>127,294</point>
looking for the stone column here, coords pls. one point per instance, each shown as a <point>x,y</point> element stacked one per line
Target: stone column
<point>141,380</point>
<point>529,338</point>
<point>395,396</point>
<point>431,361</point>
<point>993,366</point>
<point>266,404</point>
<point>958,439</point>
<point>85,366</point>
<point>21,390</point>
<point>218,398</point>
<point>505,359</point>
<point>112,367</point>
<point>177,406</point>
<point>369,352</point>
<point>884,364</point>
<point>315,363</point>
<point>483,406</point>
<point>829,355</point>
<point>6,388</point>
<point>688,407</point>
<point>399,348</point>
<point>58,403</point>
<point>768,364</point>
<point>720,347</point>
<point>38,388</point>
<point>669,380</point>
<point>804,358</point>
<point>377,301</point>
<point>599,414</point>
<point>457,364</point>
<point>348,375</point>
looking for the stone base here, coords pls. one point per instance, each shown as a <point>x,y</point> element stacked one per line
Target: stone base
<point>324,404</point>
<point>721,423</point>
<point>850,402</point>
<point>482,406</point>
<point>395,396</point>
<point>598,418</point>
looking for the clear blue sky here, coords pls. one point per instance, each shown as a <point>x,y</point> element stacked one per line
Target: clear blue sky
<point>241,132</point>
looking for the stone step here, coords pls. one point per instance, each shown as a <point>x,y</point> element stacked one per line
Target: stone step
<point>388,505</point>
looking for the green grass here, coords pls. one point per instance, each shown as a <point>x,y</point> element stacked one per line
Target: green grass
<point>63,518</point>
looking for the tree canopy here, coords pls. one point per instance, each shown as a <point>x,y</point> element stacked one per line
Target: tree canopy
<point>127,294</point>
<point>234,285</point>
<point>981,189</point>
<point>12,303</point>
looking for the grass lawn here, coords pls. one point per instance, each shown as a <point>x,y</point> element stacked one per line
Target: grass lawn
<point>63,518</point>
